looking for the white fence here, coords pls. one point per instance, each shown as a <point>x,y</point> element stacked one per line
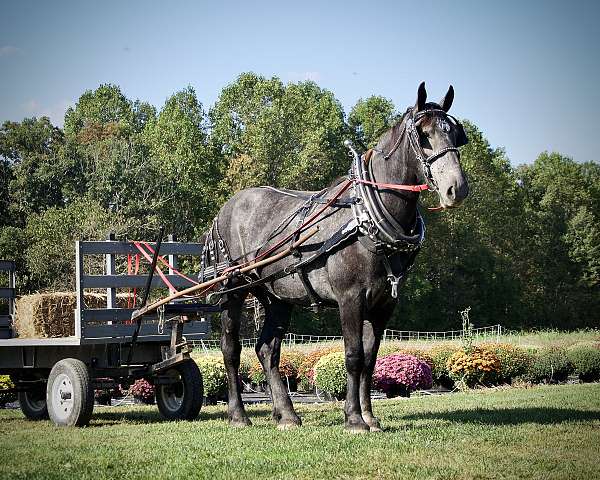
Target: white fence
<point>389,335</point>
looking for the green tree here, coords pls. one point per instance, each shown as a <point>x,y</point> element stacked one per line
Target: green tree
<point>31,170</point>
<point>100,113</point>
<point>370,118</point>
<point>184,166</point>
<point>289,135</point>
<point>561,201</point>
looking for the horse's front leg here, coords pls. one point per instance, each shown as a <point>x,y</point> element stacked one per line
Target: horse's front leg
<point>372,331</point>
<point>351,313</point>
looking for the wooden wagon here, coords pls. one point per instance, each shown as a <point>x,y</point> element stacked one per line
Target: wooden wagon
<point>57,377</point>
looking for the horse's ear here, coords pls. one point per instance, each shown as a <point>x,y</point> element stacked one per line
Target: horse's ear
<point>421,97</point>
<point>446,102</point>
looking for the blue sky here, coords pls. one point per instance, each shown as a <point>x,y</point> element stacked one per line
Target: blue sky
<point>526,72</point>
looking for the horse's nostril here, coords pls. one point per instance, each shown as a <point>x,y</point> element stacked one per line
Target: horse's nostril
<point>451,193</point>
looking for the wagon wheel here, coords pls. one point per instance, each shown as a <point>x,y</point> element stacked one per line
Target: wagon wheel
<point>69,393</point>
<point>33,404</point>
<point>181,398</point>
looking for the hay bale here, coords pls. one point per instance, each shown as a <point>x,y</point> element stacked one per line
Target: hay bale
<point>51,315</point>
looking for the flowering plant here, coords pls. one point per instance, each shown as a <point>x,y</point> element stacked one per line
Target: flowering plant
<point>514,360</point>
<point>307,367</point>
<point>6,384</point>
<point>143,390</point>
<point>330,374</point>
<point>477,365</point>
<point>401,372</point>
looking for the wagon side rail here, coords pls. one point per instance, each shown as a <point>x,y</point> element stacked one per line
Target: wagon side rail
<point>8,293</point>
<point>113,323</point>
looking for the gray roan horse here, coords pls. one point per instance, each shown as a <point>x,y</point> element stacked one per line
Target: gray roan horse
<point>368,238</point>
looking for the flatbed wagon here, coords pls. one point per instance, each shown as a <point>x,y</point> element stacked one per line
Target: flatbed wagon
<point>56,377</point>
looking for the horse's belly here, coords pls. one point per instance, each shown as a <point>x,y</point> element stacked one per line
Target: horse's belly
<point>292,289</point>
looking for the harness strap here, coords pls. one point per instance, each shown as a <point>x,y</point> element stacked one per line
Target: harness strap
<point>165,280</point>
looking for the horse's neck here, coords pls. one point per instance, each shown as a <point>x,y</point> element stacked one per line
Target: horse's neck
<point>397,169</point>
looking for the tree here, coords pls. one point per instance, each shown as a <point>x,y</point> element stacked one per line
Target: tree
<point>292,134</point>
<point>184,165</point>
<point>370,118</point>
<point>561,201</point>
<point>51,236</point>
<point>30,168</point>
<point>100,113</point>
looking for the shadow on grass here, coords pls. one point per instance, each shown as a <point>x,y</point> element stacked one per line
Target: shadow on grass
<point>153,416</point>
<point>510,416</point>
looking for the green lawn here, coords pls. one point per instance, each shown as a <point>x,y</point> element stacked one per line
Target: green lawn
<point>543,432</point>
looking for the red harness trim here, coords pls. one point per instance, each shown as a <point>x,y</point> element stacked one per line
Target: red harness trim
<point>168,265</point>
<point>395,186</point>
<point>172,289</point>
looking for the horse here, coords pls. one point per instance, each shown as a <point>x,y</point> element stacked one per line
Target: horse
<point>370,231</point>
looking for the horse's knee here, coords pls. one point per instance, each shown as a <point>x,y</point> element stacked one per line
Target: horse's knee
<point>355,361</point>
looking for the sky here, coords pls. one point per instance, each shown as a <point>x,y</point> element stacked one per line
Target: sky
<point>525,72</point>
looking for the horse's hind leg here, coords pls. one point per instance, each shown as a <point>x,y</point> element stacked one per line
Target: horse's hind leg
<point>268,349</point>
<point>231,348</point>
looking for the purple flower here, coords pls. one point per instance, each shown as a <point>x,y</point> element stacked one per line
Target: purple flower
<point>401,370</point>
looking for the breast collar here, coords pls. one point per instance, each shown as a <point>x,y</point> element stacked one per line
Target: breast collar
<point>374,219</point>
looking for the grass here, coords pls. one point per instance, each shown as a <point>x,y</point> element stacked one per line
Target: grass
<point>548,432</point>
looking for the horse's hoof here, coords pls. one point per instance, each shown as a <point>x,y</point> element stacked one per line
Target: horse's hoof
<point>289,423</point>
<point>358,427</point>
<point>373,423</point>
<point>240,422</point>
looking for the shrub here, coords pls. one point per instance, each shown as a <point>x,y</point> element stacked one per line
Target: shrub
<point>401,374</point>
<point>214,376</point>
<point>287,371</point>
<point>586,362</point>
<point>306,371</point>
<point>439,355</point>
<point>514,361</point>
<point>550,365</point>
<point>247,359</point>
<point>475,366</point>
<point>6,397</point>
<point>143,390</point>
<point>296,358</point>
<point>330,374</point>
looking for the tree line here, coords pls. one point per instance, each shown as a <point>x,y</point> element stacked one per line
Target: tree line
<point>523,251</point>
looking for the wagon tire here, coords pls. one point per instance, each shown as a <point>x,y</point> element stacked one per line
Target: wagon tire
<point>183,399</point>
<point>70,394</point>
<point>33,405</point>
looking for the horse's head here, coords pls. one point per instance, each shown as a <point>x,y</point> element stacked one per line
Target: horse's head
<point>439,136</point>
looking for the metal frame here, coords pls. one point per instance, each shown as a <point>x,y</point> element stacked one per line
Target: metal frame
<point>6,321</point>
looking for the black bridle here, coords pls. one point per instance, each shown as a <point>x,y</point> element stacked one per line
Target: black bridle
<point>410,126</point>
